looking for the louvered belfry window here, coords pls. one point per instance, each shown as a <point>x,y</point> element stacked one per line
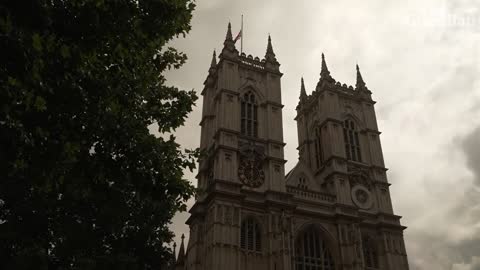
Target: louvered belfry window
<point>352,143</point>
<point>249,116</point>
<point>318,147</point>
<point>370,255</point>
<point>312,252</point>
<point>250,236</point>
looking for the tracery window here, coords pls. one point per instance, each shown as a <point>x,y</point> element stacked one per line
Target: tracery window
<point>250,235</point>
<point>302,183</point>
<point>370,255</point>
<point>352,143</point>
<point>311,252</point>
<point>318,147</point>
<point>249,117</point>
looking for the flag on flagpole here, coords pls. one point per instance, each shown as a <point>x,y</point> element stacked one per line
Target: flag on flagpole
<point>239,36</point>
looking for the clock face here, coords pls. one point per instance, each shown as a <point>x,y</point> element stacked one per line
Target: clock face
<point>251,173</point>
<point>361,197</point>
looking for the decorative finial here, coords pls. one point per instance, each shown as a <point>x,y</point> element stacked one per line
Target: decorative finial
<point>181,252</point>
<point>360,83</point>
<point>214,60</point>
<point>174,259</point>
<point>324,65</point>
<point>229,44</point>
<point>324,73</point>
<point>303,93</point>
<point>229,33</point>
<point>269,46</point>
<point>270,55</point>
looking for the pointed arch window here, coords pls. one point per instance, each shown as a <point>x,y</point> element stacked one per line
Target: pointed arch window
<point>318,147</point>
<point>370,255</point>
<point>312,252</point>
<point>250,235</point>
<point>302,183</point>
<point>352,143</point>
<point>249,116</point>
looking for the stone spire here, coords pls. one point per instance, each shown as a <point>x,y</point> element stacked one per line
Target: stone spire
<point>229,49</point>
<point>213,64</point>
<point>303,93</point>
<point>303,96</point>
<point>209,81</point>
<point>269,48</point>
<point>271,60</point>
<point>181,252</point>
<point>229,33</point>
<point>324,73</point>
<point>360,83</point>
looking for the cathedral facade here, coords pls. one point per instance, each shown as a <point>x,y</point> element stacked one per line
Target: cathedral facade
<point>332,211</point>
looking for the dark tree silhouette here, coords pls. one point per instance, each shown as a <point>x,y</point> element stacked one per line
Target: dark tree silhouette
<point>83,184</point>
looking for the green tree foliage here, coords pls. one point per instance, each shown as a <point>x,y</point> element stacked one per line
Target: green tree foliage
<point>83,184</point>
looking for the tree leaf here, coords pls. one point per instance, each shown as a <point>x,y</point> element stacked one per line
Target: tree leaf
<point>37,42</point>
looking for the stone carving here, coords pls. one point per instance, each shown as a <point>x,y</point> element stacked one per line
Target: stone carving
<point>359,176</point>
<point>250,170</point>
<point>361,197</point>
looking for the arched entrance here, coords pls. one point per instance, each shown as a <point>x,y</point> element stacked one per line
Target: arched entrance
<point>312,251</point>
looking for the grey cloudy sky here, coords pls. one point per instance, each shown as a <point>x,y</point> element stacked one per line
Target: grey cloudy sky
<point>420,58</point>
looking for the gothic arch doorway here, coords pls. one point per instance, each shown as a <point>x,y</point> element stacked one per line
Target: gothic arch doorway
<point>312,250</point>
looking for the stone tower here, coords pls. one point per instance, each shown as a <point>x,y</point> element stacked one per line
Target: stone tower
<point>332,211</point>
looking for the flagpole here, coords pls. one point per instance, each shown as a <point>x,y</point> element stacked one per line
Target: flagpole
<point>241,37</point>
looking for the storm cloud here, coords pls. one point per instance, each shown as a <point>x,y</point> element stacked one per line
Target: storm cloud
<point>471,146</point>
